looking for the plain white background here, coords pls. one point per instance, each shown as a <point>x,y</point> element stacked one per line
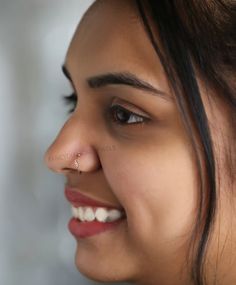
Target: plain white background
<point>35,246</point>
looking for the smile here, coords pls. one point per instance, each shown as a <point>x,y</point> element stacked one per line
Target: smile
<point>99,214</point>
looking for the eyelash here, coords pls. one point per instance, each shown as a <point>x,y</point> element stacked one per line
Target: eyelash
<point>72,99</point>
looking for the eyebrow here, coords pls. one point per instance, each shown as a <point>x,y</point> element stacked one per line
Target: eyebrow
<point>123,78</point>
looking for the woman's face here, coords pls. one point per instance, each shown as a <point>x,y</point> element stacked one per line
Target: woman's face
<point>146,167</point>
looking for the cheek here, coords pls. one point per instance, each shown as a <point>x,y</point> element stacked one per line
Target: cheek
<point>158,192</point>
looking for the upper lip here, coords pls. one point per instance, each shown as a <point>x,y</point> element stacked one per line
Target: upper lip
<point>76,198</point>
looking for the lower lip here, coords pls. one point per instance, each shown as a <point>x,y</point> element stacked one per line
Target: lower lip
<point>85,229</point>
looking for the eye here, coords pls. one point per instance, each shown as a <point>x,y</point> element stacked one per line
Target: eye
<point>122,116</point>
<point>70,100</point>
<point>116,113</point>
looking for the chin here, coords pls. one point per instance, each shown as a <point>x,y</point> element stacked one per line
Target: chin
<point>101,271</point>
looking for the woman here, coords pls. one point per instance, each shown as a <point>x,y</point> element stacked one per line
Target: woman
<point>151,138</point>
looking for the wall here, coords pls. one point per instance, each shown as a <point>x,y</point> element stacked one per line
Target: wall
<point>36,247</point>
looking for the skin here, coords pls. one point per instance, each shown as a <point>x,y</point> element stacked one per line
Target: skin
<point>148,169</point>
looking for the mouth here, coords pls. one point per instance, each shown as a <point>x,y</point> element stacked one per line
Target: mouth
<point>91,216</point>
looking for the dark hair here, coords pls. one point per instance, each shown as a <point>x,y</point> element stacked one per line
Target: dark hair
<point>198,34</point>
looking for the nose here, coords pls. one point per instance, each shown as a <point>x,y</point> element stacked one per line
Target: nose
<point>72,139</point>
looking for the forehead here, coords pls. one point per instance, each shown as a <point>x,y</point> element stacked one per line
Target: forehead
<point>111,37</point>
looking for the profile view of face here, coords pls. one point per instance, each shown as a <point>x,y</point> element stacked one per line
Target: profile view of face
<point>138,157</point>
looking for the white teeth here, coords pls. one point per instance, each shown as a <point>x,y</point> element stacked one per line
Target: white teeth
<point>89,214</point>
<point>80,212</point>
<point>113,215</point>
<point>100,214</point>
<point>74,212</point>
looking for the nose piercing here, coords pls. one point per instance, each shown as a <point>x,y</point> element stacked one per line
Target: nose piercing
<point>77,162</point>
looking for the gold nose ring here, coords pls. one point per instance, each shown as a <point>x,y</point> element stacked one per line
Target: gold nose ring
<point>77,162</point>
